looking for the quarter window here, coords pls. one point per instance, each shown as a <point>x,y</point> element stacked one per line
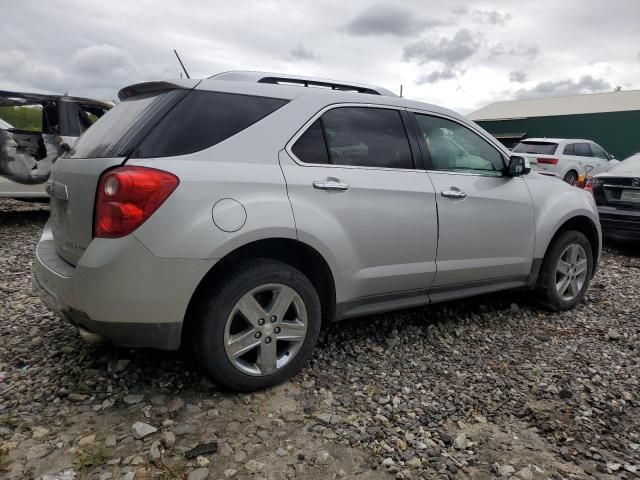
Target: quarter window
<point>311,147</point>
<point>456,148</point>
<point>357,136</point>
<point>568,150</point>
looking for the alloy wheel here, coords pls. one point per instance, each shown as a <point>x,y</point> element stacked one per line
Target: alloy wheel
<point>265,329</point>
<point>571,272</point>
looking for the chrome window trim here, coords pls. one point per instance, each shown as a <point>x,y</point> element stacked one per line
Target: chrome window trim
<point>288,147</point>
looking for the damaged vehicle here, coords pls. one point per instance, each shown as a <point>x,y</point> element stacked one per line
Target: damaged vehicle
<point>234,215</point>
<point>35,129</point>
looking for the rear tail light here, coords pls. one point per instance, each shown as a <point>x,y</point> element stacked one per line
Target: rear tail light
<point>127,196</point>
<point>588,185</point>
<point>592,185</point>
<point>548,160</point>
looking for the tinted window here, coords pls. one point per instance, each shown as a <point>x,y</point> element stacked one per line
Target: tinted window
<point>582,150</point>
<point>371,137</point>
<point>598,151</point>
<point>311,147</point>
<point>116,132</point>
<point>455,147</point>
<point>568,150</point>
<point>542,148</point>
<point>202,120</point>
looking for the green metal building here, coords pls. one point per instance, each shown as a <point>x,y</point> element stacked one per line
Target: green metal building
<point>609,119</point>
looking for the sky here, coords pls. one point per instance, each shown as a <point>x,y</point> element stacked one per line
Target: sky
<point>458,54</point>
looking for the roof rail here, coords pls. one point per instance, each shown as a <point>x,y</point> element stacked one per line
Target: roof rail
<point>283,79</point>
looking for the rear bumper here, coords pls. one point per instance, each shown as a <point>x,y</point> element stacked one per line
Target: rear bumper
<point>623,224</point>
<point>119,291</point>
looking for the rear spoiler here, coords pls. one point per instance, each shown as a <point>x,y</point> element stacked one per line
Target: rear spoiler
<point>148,87</point>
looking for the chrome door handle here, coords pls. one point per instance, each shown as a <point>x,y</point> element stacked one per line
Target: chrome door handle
<point>453,194</point>
<point>331,184</point>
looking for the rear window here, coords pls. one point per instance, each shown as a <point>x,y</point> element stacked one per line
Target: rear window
<point>116,133</point>
<point>177,122</point>
<point>540,148</point>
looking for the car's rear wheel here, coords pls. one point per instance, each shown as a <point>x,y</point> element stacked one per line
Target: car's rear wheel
<point>571,177</point>
<point>258,327</point>
<point>566,271</point>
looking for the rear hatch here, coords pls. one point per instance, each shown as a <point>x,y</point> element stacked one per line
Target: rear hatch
<point>617,191</point>
<point>107,144</point>
<point>541,154</point>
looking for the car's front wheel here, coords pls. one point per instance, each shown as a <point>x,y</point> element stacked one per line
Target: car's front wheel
<point>258,327</point>
<point>566,271</point>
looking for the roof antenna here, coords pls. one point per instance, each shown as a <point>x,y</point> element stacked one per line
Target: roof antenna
<point>181,64</point>
<point>400,90</point>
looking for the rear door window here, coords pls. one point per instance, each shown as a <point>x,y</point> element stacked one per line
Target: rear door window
<point>357,136</point>
<point>367,137</point>
<point>540,148</point>
<point>582,150</point>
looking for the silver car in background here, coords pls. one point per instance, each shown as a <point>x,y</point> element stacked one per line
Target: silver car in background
<point>567,159</point>
<point>236,214</point>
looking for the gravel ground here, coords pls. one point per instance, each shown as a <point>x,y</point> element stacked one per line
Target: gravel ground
<point>483,388</point>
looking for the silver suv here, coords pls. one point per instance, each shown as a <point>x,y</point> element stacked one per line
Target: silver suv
<point>237,214</point>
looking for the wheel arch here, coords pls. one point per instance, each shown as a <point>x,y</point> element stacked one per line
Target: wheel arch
<point>570,169</point>
<point>582,224</point>
<point>290,251</point>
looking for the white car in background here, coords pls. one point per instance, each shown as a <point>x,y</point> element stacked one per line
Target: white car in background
<point>566,159</point>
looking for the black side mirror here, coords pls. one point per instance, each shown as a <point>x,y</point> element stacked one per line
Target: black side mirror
<point>518,166</point>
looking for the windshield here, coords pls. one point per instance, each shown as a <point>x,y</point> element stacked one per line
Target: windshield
<point>541,148</point>
<point>630,165</point>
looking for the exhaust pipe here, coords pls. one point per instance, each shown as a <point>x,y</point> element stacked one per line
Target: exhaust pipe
<point>90,337</point>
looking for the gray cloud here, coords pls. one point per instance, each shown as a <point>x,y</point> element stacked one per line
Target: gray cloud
<point>527,50</point>
<point>492,17</point>
<point>460,10</point>
<point>518,76</point>
<point>301,53</point>
<point>449,51</point>
<point>95,48</point>
<point>436,76</point>
<point>101,60</point>
<point>586,84</point>
<point>383,19</point>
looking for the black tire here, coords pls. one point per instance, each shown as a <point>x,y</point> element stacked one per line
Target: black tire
<point>214,310</point>
<point>571,177</point>
<point>546,290</point>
